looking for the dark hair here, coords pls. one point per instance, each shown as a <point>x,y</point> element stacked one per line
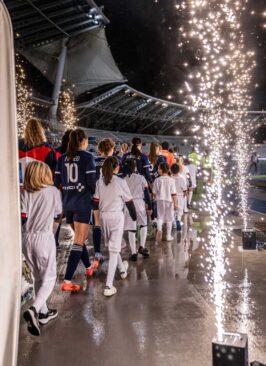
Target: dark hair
<point>164,168</point>
<point>75,139</point>
<point>130,166</point>
<point>65,140</point>
<point>105,146</point>
<point>175,168</point>
<point>109,165</point>
<point>165,145</point>
<point>134,149</point>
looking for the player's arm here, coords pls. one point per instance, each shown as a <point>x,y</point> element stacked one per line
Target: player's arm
<point>128,199</point>
<point>146,167</point>
<point>91,174</point>
<point>95,203</point>
<point>57,174</point>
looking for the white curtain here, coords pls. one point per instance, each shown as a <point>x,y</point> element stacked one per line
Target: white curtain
<point>10,240</point>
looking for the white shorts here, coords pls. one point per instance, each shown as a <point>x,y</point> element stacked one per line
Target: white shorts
<point>165,211</point>
<point>39,250</point>
<point>112,224</point>
<point>141,216</point>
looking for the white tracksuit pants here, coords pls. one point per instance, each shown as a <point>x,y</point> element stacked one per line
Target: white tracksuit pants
<point>113,227</point>
<point>40,252</point>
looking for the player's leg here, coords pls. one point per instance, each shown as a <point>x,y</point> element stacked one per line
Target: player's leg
<point>78,251</point>
<point>160,216</point>
<point>114,223</point>
<point>131,227</point>
<point>142,221</point>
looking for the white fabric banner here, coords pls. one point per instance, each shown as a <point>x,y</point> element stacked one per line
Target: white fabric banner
<point>10,242</point>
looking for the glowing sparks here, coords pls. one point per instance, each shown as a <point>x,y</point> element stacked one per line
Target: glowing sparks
<point>221,93</point>
<point>67,110</point>
<point>25,108</point>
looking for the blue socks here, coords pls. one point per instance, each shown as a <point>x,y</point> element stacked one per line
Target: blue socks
<point>85,257</point>
<point>96,235</point>
<point>73,260</point>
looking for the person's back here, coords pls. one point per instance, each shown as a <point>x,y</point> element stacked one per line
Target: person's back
<point>180,184</point>
<point>164,187</point>
<point>77,180</point>
<point>137,183</point>
<point>111,195</point>
<point>35,147</point>
<point>41,207</point>
<point>165,152</point>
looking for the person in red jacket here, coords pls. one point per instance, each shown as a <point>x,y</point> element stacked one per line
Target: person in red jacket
<point>34,146</point>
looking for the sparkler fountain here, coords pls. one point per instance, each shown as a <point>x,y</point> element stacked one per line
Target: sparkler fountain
<point>221,95</point>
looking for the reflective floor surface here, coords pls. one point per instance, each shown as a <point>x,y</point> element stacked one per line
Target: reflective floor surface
<point>162,314</point>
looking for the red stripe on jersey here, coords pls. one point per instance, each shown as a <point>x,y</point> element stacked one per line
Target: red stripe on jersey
<point>96,199</point>
<point>24,215</point>
<point>38,153</point>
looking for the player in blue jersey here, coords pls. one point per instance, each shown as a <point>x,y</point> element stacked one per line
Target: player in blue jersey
<point>142,161</point>
<point>75,174</point>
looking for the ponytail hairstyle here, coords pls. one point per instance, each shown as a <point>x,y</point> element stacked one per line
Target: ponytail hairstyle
<point>105,146</point>
<point>134,148</point>
<point>153,152</point>
<point>65,140</point>
<point>130,166</point>
<point>75,139</point>
<point>109,165</point>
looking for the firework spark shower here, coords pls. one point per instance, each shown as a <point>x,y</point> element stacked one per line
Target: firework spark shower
<point>219,88</point>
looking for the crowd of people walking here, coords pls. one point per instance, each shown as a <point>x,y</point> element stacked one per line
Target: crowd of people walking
<point>113,192</point>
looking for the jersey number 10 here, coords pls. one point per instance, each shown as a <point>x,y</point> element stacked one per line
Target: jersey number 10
<point>72,172</point>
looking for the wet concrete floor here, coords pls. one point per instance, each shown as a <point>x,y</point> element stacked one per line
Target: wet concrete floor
<point>162,315</point>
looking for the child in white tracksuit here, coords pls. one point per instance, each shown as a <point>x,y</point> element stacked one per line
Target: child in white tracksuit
<point>181,188</point>
<point>40,205</point>
<point>138,187</point>
<point>164,191</point>
<point>111,194</point>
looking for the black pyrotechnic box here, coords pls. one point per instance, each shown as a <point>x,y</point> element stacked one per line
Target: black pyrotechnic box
<point>231,351</point>
<point>249,239</point>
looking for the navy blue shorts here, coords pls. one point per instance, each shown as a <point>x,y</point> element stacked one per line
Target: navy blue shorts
<point>83,216</point>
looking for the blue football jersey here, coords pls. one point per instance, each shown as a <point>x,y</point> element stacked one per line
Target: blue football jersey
<point>99,160</point>
<point>77,179</point>
<point>142,163</point>
<point>154,168</point>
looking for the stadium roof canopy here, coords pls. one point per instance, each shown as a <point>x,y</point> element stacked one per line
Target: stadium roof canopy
<point>37,23</point>
<point>124,107</point>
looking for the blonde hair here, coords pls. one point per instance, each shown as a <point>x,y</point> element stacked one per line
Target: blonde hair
<point>124,148</point>
<point>153,155</point>
<point>37,176</point>
<point>34,133</point>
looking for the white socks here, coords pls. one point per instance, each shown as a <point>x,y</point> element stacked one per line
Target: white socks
<point>168,229</point>
<point>159,225</point>
<point>190,195</point>
<point>143,235</point>
<point>115,261</point>
<point>43,289</point>
<point>132,242</point>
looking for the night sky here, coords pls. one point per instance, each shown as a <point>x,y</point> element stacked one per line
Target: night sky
<point>144,35</point>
